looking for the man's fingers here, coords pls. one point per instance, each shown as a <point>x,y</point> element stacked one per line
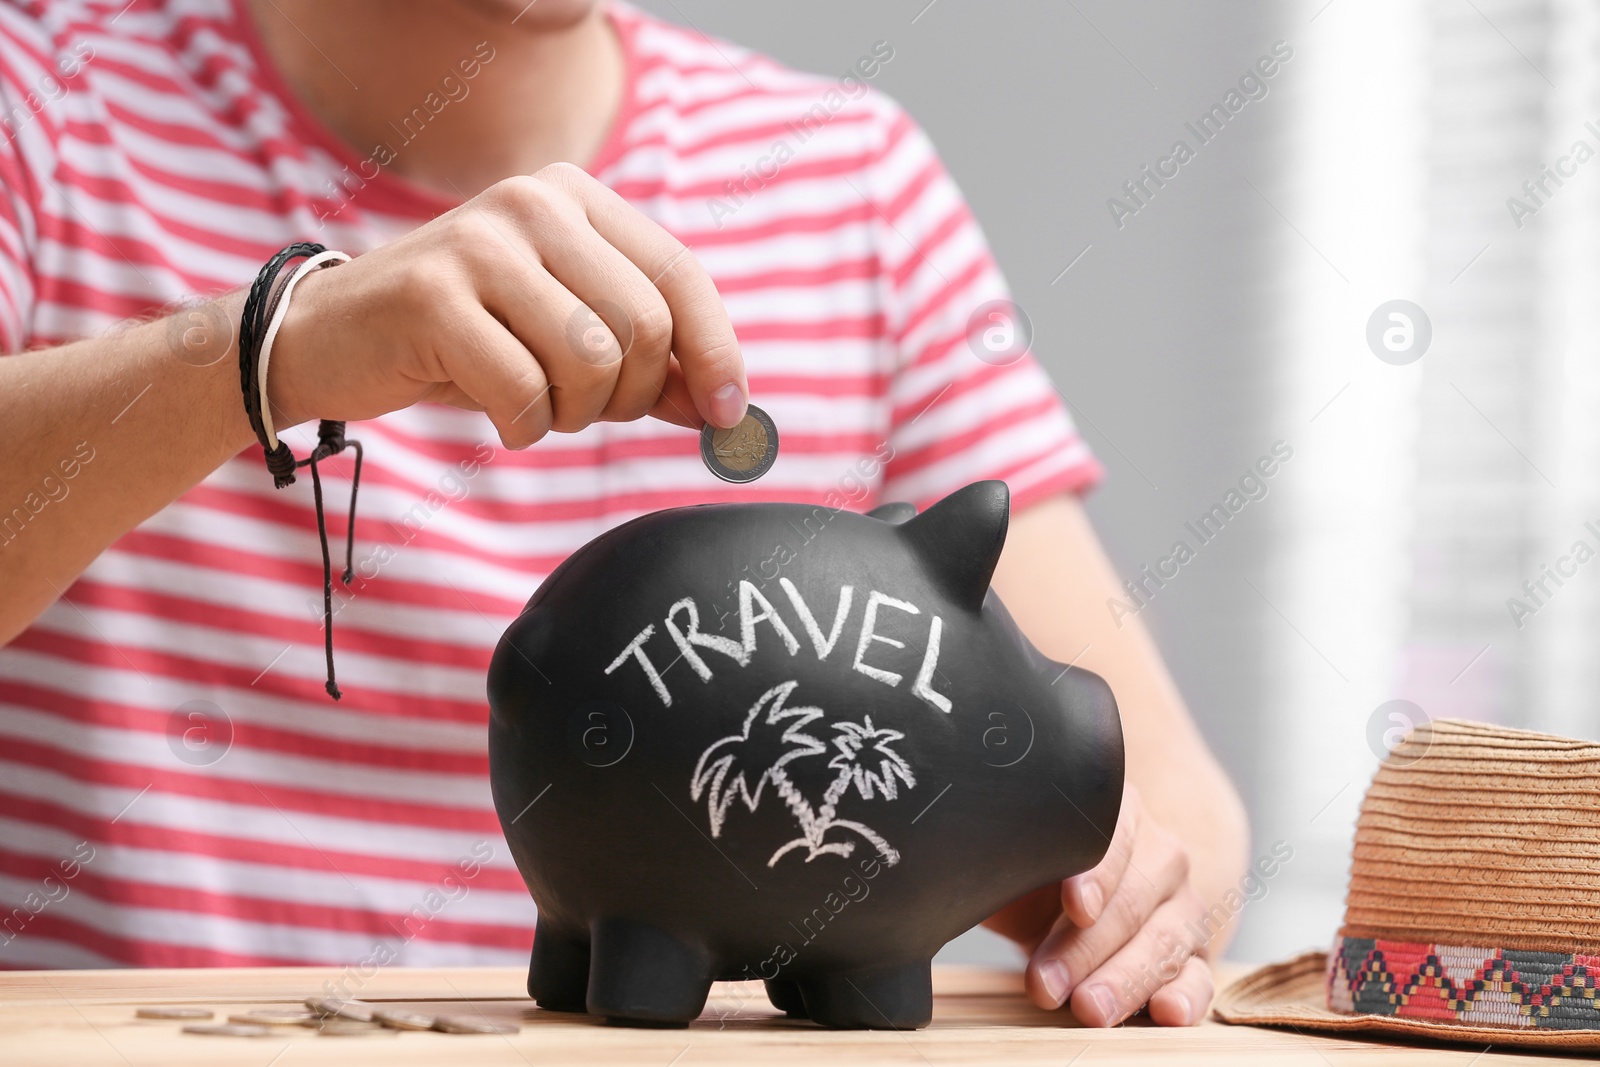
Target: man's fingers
<point>1155,957</point>
<point>1029,918</point>
<point>1184,1000</point>
<point>624,306</point>
<point>489,364</point>
<point>539,310</point>
<point>1156,869</point>
<point>702,336</point>
<point>452,394</point>
<point>675,405</point>
<point>1083,896</point>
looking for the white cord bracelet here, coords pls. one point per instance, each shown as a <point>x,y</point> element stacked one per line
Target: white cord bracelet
<point>280,311</point>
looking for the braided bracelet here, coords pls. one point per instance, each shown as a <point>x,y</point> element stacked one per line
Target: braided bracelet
<point>265,308</point>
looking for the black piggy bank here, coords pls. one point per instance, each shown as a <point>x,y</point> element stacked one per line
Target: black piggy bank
<point>776,741</point>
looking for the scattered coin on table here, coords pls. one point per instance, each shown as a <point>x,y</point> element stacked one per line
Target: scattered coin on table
<point>743,453</point>
<point>273,1017</point>
<point>470,1024</point>
<point>228,1030</point>
<point>350,1028</point>
<point>330,1017</point>
<point>354,1010</point>
<point>174,1013</point>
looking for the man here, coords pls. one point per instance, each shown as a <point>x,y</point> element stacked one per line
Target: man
<point>521,186</point>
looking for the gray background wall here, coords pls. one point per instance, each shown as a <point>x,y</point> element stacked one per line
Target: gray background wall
<point>1042,110</point>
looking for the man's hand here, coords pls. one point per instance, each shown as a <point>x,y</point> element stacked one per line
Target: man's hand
<point>1120,936</point>
<point>546,302</point>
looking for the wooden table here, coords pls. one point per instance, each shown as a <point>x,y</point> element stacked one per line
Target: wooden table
<point>61,1018</point>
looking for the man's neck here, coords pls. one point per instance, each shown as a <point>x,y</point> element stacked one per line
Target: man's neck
<point>364,66</point>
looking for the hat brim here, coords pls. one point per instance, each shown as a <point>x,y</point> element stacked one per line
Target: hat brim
<point>1293,994</point>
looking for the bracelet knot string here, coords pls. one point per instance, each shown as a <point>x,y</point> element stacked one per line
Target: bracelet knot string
<point>264,310</point>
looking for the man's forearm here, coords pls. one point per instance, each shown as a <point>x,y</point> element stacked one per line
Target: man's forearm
<point>101,434</point>
<point>1055,579</point>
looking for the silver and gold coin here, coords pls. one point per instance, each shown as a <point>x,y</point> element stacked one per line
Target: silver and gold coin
<point>473,1024</point>
<point>744,452</point>
<point>228,1030</point>
<point>174,1013</point>
<point>273,1017</point>
<point>354,1010</point>
<point>351,1028</point>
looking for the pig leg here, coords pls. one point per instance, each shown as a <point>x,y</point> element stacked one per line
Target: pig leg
<point>558,975</point>
<point>898,997</point>
<point>640,974</point>
<point>786,997</point>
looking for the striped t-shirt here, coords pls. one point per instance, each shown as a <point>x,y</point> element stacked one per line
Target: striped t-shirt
<point>175,787</point>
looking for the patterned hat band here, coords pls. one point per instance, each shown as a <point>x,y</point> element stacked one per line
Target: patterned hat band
<point>1510,988</point>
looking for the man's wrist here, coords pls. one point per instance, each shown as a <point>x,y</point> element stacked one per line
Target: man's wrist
<point>196,351</point>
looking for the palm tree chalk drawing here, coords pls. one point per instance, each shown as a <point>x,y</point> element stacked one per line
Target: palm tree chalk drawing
<point>863,759</point>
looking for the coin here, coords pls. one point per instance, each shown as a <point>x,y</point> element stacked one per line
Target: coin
<point>743,453</point>
<point>350,1028</point>
<point>354,1010</point>
<point>273,1017</point>
<point>174,1013</point>
<point>470,1024</point>
<point>403,1020</point>
<point>228,1030</point>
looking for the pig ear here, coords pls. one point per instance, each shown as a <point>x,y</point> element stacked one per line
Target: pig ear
<point>897,511</point>
<point>960,539</point>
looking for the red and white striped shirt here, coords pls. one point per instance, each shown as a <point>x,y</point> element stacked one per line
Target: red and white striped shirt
<point>175,787</point>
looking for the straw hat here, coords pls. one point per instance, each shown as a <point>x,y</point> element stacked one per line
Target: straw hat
<point>1473,912</point>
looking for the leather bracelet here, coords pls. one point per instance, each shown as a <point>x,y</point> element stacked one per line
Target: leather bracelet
<point>264,310</point>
